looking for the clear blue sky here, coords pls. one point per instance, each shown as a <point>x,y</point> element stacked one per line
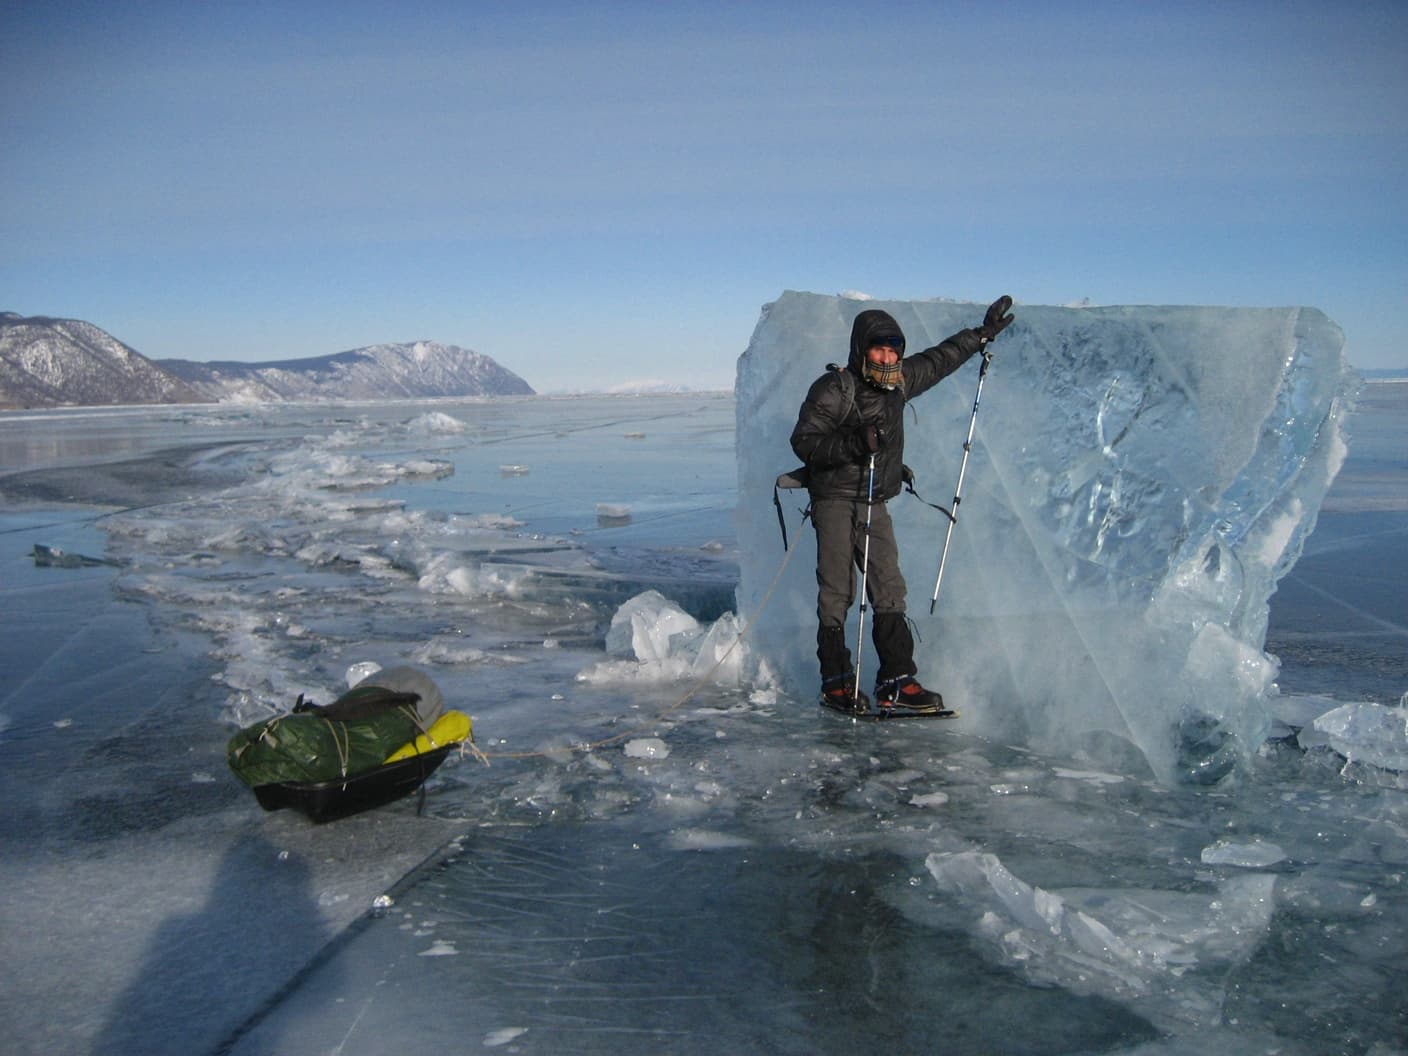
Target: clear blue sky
<point>599,193</point>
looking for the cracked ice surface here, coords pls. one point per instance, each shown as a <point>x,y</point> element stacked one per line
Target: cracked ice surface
<point>1141,478</point>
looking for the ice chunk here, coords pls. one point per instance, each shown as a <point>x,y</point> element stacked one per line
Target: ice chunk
<point>646,748</point>
<point>1140,479</point>
<point>654,641</point>
<point>612,514</point>
<point>644,627</point>
<point>706,840</point>
<point>54,557</point>
<point>1368,733</point>
<point>719,653</point>
<point>435,423</point>
<point>1296,711</point>
<point>440,948</point>
<point>930,799</point>
<point>1254,854</point>
<point>1135,946</point>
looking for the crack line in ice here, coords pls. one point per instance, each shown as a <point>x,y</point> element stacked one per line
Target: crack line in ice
<point>1386,625</point>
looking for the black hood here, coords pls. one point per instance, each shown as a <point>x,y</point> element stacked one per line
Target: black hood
<point>869,325</point>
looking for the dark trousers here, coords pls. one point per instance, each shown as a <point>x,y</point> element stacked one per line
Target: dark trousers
<point>840,551</point>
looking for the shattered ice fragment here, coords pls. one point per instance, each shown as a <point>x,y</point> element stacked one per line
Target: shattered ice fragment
<point>647,748</point>
<point>435,422</point>
<point>1252,855</point>
<point>930,799</point>
<point>612,514</point>
<point>1092,776</point>
<point>706,840</point>
<point>54,557</point>
<point>1125,944</point>
<point>1368,733</point>
<point>440,948</point>
<point>644,627</point>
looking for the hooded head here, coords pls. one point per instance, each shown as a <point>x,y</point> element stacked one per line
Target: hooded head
<point>874,327</point>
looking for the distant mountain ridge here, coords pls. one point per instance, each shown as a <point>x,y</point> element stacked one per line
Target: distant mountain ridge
<point>48,362</point>
<point>386,372</point>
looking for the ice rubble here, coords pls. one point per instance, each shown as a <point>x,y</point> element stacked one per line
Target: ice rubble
<point>652,640</point>
<point>1140,479</point>
<point>1365,733</point>
<point>1144,947</point>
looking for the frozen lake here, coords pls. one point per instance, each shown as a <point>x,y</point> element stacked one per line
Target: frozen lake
<point>727,870</point>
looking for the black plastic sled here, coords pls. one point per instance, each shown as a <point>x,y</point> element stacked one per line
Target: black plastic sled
<point>342,797</point>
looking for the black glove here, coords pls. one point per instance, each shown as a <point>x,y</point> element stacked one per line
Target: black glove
<point>998,319</point>
<point>868,440</point>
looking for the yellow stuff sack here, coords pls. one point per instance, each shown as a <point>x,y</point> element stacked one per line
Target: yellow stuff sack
<point>450,728</point>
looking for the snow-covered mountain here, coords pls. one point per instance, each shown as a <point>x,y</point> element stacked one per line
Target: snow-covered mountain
<point>48,362</point>
<point>385,372</point>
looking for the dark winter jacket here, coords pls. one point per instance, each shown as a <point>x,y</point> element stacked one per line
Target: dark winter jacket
<point>829,436</point>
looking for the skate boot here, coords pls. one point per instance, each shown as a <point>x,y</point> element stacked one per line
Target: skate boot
<point>906,694</point>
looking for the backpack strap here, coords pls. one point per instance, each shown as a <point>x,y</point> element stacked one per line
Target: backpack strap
<point>792,479</point>
<point>848,387</point>
<point>907,475</point>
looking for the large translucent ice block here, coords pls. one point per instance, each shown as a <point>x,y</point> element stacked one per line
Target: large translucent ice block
<point>1140,479</point>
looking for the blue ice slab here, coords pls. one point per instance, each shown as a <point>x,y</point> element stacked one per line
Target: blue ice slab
<point>1141,477</point>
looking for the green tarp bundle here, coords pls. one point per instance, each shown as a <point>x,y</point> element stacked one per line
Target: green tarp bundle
<point>352,735</point>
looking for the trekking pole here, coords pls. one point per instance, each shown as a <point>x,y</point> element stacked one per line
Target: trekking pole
<point>864,570</point>
<point>958,488</point>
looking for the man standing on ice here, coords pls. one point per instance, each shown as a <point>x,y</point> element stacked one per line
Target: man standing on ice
<point>850,434</point>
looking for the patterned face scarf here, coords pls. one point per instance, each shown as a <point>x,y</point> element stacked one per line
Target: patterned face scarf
<point>884,375</point>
